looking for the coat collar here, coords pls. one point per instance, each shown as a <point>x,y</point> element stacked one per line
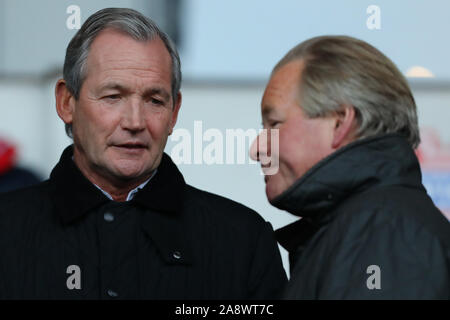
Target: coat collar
<point>376,161</point>
<point>382,160</point>
<point>74,196</point>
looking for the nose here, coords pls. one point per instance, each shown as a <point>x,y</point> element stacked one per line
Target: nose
<point>133,116</point>
<point>254,152</point>
<point>259,147</point>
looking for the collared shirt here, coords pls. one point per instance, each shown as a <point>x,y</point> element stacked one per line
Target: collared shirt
<point>133,192</point>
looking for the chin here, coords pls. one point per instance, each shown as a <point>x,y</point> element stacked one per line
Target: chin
<point>125,176</point>
<point>128,171</point>
<point>271,192</point>
<point>277,184</point>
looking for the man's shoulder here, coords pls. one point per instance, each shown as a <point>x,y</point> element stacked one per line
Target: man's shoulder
<point>221,207</point>
<point>395,228</point>
<point>409,210</point>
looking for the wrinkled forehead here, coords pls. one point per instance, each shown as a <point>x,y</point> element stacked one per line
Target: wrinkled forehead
<point>113,49</point>
<point>283,86</point>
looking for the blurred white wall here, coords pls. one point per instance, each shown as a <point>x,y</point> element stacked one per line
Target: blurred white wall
<point>244,39</point>
<point>34,35</point>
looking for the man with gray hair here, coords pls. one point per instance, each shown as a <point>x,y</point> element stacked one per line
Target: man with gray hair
<point>347,129</point>
<point>116,219</point>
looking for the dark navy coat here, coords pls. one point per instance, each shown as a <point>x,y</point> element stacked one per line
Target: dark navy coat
<point>369,230</point>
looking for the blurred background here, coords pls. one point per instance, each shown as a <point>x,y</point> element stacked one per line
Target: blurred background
<point>228,49</point>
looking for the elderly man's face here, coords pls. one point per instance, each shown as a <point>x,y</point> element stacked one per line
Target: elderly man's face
<point>302,141</point>
<point>125,111</point>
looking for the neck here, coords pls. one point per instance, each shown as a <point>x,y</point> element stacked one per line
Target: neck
<point>117,188</point>
<point>119,195</point>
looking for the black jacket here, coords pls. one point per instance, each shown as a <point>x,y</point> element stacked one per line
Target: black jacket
<point>171,241</point>
<point>369,230</point>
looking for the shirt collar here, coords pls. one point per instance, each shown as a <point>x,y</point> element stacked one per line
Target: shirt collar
<point>132,193</point>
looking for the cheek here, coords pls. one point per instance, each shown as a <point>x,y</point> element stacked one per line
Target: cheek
<point>298,147</point>
<point>96,129</point>
<point>95,120</point>
<point>158,125</point>
<point>290,149</point>
<point>302,149</point>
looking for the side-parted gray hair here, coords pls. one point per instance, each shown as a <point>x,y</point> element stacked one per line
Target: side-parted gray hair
<point>341,70</point>
<point>124,20</point>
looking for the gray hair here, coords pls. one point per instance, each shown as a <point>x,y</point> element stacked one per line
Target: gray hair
<point>124,20</point>
<point>341,70</point>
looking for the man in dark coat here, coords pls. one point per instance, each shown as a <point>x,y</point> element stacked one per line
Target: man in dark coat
<point>116,219</point>
<point>347,125</point>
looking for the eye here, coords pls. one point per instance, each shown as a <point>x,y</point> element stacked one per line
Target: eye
<point>274,123</point>
<point>156,101</point>
<point>113,97</point>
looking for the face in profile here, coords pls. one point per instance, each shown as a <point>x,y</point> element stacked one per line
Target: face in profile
<point>302,141</point>
<point>125,110</point>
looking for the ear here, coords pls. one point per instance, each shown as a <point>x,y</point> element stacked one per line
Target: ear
<point>65,102</point>
<point>176,108</point>
<point>344,126</point>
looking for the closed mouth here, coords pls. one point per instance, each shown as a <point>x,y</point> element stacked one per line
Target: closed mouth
<point>265,168</point>
<point>132,146</point>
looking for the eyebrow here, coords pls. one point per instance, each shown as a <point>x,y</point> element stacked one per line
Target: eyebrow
<point>157,91</point>
<point>148,92</point>
<point>113,85</point>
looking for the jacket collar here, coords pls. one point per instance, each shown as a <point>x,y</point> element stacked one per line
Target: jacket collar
<point>382,160</point>
<point>74,196</point>
<point>366,163</point>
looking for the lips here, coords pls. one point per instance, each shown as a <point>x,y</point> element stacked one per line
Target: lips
<point>131,145</point>
<point>266,169</point>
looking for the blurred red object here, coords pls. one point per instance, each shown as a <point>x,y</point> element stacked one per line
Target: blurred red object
<point>432,153</point>
<point>7,156</point>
